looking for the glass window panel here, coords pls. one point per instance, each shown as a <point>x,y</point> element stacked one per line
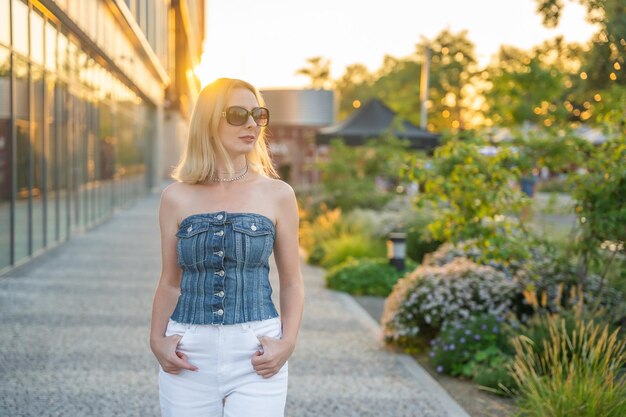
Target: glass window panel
<point>62,64</point>
<point>51,160</point>
<point>81,160</point>
<point>5,157</point>
<point>62,107</point>
<point>72,59</point>
<point>37,128</point>
<point>72,159</point>
<point>82,67</point>
<point>20,22</point>
<point>36,37</point>
<point>5,83</point>
<point>51,47</point>
<point>77,160</point>
<point>5,26</point>
<point>91,158</point>
<point>21,89</point>
<point>106,169</point>
<point>22,127</point>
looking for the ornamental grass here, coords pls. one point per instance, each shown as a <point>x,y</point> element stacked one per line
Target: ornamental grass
<point>579,372</point>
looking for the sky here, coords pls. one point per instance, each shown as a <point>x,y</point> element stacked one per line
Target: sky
<point>266,42</point>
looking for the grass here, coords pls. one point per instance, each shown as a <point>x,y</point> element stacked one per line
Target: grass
<point>576,375</point>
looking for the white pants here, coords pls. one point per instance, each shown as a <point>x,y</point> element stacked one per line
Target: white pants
<point>225,384</point>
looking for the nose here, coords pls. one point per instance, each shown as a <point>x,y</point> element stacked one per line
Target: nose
<point>250,123</point>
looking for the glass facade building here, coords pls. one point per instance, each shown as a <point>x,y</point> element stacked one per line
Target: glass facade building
<point>85,89</point>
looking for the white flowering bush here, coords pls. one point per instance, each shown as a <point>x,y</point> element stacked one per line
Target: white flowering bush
<point>397,215</point>
<point>432,297</point>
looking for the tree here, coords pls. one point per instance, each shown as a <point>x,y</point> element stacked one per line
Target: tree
<point>397,82</point>
<point>472,196</point>
<point>604,62</point>
<point>318,71</point>
<point>353,87</point>
<point>600,196</point>
<point>352,175</point>
<point>453,68</point>
<point>538,86</point>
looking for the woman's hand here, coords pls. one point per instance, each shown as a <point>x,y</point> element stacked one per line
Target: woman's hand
<point>171,360</point>
<point>275,352</point>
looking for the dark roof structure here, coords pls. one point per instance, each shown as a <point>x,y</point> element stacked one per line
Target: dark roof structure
<point>373,120</point>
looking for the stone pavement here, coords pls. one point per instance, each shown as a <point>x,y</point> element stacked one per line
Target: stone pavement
<point>74,337</point>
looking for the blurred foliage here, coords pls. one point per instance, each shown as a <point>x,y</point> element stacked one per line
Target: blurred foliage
<point>371,276</point>
<point>452,66</point>
<point>477,348</point>
<point>352,176</point>
<point>351,245</point>
<point>600,193</point>
<point>419,243</point>
<point>608,44</point>
<point>318,72</point>
<point>534,86</point>
<point>471,194</point>
<point>555,83</point>
<point>559,150</point>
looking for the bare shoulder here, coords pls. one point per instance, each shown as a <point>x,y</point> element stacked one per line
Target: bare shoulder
<point>280,191</point>
<point>173,198</point>
<point>173,192</point>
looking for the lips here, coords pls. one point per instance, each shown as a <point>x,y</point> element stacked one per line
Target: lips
<point>247,138</point>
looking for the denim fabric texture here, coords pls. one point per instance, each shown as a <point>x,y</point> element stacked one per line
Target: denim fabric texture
<point>224,257</point>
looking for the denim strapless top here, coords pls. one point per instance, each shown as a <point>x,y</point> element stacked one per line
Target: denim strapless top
<point>224,257</point>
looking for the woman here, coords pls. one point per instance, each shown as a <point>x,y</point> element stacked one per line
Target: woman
<point>220,343</point>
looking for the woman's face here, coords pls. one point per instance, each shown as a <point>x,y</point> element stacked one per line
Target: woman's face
<point>239,140</point>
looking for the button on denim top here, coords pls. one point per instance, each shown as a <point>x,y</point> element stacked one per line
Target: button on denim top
<point>224,258</point>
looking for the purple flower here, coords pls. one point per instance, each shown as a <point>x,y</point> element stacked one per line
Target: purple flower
<point>433,341</point>
<point>468,332</point>
<point>495,329</point>
<point>462,340</point>
<point>451,347</point>
<point>431,354</point>
<point>476,337</point>
<point>440,369</point>
<point>483,327</point>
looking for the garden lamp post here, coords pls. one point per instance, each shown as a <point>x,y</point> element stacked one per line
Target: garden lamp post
<point>396,250</point>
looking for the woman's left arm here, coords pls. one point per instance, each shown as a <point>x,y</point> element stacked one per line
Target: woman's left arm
<point>287,256</point>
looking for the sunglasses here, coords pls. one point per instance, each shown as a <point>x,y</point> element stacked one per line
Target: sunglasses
<point>238,116</point>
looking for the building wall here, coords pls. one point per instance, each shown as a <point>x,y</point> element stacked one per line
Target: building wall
<point>82,108</point>
<point>295,117</point>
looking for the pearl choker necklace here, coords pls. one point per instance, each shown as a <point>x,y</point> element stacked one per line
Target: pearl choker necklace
<point>233,178</point>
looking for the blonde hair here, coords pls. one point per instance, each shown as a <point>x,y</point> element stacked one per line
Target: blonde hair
<point>198,162</point>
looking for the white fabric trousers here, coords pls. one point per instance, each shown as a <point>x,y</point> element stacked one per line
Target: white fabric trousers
<point>225,384</point>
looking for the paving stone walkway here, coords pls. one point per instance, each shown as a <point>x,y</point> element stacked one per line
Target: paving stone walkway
<point>74,337</point>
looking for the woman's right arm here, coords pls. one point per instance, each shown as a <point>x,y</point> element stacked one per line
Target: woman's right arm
<point>168,289</point>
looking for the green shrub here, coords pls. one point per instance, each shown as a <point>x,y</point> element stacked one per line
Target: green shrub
<point>478,348</point>
<point>345,246</point>
<point>316,254</point>
<point>491,371</point>
<point>418,244</point>
<point>365,276</point>
<point>463,345</point>
<point>577,372</point>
